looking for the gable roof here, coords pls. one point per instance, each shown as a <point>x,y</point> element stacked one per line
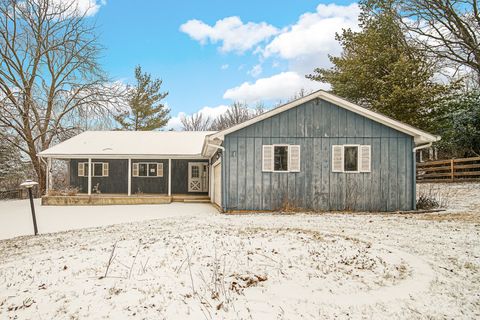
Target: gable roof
<point>134,144</point>
<point>420,137</point>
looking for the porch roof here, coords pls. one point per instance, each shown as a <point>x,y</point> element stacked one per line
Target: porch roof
<point>133,144</point>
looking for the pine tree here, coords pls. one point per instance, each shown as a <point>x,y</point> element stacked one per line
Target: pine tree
<point>144,101</point>
<point>380,70</point>
<point>460,127</point>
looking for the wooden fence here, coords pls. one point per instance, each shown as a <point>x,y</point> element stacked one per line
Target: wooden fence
<point>465,169</point>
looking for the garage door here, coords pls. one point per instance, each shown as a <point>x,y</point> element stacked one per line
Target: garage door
<point>217,188</point>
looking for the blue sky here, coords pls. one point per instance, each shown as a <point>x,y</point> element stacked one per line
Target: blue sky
<point>211,53</point>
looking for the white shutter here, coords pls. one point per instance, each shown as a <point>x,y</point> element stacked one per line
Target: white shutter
<point>81,169</point>
<point>365,162</point>
<point>267,158</point>
<point>105,169</point>
<point>337,158</point>
<point>135,170</point>
<point>294,158</point>
<point>159,169</point>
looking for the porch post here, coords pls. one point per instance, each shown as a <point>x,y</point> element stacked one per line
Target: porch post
<point>46,178</point>
<point>129,177</point>
<point>89,176</point>
<point>49,174</point>
<point>169,177</point>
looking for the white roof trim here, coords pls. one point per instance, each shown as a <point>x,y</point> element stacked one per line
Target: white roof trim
<point>420,136</point>
<point>124,156</point>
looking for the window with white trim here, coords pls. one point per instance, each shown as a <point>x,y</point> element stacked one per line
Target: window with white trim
<point>147,169</point>
<point>99,169</point>
<point>351,158</point>
<point>281,158</point>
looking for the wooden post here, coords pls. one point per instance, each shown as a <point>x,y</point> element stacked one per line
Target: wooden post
<point>49,174</point>
<point>452,169</point>
<point>32,207</point>
<point>47,179</point>
<point>169,177</point>
<point>89,176</point>
<point>129,177</point>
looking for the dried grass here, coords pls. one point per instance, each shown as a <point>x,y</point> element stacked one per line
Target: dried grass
<point>63,192</point>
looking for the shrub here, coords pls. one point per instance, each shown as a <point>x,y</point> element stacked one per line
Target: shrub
<point>432,196</point>
<point>426,202</point>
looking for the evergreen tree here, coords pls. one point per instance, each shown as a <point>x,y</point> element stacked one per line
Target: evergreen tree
<point>460,127</point>
<point>379,70</point>
<point>144,101</point>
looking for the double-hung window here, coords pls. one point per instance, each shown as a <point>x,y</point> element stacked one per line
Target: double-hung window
<point>281,158</point>
<point>351,158</point>
<point>147,169</point>
<point>99,169</point>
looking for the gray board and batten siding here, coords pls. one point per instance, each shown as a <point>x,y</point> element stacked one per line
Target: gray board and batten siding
<point>316,126</point>
<point>117,180</point>
<point>180,176</point>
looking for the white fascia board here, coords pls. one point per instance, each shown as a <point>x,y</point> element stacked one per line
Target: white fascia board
<point>122,156</point>
<point>418,135</point>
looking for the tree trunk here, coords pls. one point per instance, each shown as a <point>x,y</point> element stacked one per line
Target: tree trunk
<point>40,171</point>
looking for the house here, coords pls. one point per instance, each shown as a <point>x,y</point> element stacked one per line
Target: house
<point>318,152</point>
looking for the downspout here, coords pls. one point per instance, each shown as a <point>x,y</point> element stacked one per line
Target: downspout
<point>414,166</point>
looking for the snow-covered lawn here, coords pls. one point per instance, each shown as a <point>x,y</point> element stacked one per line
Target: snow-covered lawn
<point>262,266</point>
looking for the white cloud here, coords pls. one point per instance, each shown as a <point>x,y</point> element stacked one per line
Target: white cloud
<point>210,112</point>
<point>314,33</point>
<point>304,45</point>
<point>83,7</point>
<point>308,43</point>
<point>280,86</point>
<point>224,66</point>
<point>255,71</point>
<point>231,32</point>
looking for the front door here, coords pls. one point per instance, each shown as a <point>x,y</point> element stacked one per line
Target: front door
<point>197,177</point>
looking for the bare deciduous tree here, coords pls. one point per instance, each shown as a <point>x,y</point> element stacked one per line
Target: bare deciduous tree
<point>237,113</point>
<point>195,122</point>
<point>48,71</point>
<point>446,29</point>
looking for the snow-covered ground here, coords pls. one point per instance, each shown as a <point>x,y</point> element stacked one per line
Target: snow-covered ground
<point>262,266</point>
<point>16,216</point>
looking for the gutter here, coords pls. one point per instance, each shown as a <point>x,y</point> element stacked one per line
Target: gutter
<point>216,146</point>
<point>422,146</point>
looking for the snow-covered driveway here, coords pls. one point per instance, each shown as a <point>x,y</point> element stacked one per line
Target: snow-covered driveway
<point>16,218</point>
